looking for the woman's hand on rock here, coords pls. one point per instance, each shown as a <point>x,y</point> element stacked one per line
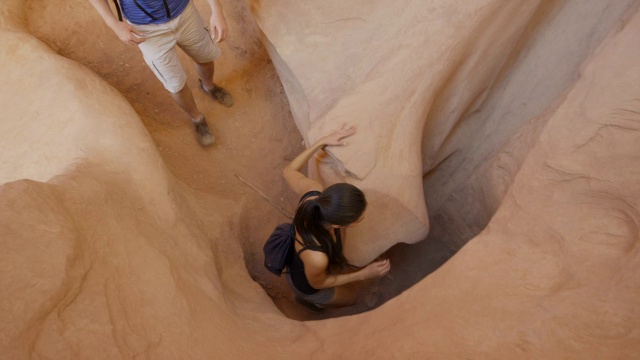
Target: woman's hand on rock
<point>377,269</point>
<point>335,138</point>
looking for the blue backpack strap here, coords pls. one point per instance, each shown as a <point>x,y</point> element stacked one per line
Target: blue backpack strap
<point>118,10</point>
<point>144,10</point>
<point>166,8</point>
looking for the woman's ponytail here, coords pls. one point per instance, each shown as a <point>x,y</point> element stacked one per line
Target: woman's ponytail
<point>309,223</point>
<point>339,204</point>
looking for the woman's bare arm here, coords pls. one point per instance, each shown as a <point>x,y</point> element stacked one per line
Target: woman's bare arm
<point>315,269</point>
<point>299,182</point>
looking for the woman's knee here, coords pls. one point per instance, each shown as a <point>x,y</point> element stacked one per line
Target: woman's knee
<point>344,297</point>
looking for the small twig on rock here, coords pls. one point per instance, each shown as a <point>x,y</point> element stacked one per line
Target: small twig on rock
<point>282,211</point>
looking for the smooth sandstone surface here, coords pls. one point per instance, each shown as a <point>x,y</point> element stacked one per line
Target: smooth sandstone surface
<point>437,89</point>
<point>109,251</point>
<point>555,274</point>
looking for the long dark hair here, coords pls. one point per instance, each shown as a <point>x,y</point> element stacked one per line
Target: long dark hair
<point>339,204</point>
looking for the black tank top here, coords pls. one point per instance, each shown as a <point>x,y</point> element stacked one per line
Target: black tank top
<point>296,266</point>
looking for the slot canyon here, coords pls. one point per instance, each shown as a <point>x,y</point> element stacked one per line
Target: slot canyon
<point>498,145</point>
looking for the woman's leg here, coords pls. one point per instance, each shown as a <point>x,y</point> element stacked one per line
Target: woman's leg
<point>343,297</point>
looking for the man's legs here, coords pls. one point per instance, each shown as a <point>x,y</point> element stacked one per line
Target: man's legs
<point>219,94</point>
<point>205,72</point>
<point>184,98</point>
<point>187,31</point>
<point>194,39</point>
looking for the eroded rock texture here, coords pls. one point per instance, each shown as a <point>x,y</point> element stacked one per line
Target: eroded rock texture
<point>105,254</point>
<point>447,97</point>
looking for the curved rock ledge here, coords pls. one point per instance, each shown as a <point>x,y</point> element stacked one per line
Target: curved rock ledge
<point>105,254</point>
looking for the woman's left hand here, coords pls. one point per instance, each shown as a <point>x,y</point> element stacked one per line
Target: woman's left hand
<point>335,138</point>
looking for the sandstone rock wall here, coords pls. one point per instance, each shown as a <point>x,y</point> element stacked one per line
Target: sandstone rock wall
<point>477,162</point>
<point>104,254</point>
<point>444,119</point>
<point>555,273</point>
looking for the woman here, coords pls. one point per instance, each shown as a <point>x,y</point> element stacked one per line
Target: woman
<point>320,221</point>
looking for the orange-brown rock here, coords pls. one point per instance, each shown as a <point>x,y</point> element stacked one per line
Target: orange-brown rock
<point>112,245</point>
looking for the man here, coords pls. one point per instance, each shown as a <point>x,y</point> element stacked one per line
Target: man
<point>156,27</point>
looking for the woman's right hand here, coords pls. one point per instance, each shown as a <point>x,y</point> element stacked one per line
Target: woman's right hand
<point>377,269</point>
<point>335,138</point>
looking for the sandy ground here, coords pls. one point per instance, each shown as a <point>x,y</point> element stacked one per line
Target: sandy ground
<point>254,139</point>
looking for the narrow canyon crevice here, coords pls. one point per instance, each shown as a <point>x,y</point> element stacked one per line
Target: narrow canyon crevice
<point>497,144</point>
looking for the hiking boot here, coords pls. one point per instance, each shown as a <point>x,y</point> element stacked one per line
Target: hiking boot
<point>205,138</point>
<point>219,94</point>
<point>309,306</point>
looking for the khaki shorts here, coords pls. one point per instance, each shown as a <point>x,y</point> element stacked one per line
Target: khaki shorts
<point>190,33</point>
